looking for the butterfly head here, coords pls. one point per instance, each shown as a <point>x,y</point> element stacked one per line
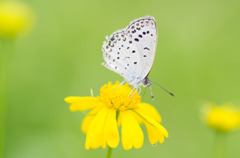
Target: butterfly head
<point>146,82</point>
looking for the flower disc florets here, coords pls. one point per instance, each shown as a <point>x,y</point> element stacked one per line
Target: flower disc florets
<point>119,97</point>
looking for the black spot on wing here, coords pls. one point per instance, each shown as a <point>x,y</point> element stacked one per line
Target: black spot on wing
<point>136,39</point>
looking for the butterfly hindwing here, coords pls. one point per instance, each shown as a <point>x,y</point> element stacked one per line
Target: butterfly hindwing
<point>121,55</point>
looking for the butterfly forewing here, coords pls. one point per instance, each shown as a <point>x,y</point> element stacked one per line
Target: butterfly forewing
<point>144,34</point>
<point>121,55</point>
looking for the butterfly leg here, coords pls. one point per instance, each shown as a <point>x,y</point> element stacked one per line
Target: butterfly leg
<point>151,92</point>
<point>133,92</point>
<point>139,90</point>
<point>121,84</point>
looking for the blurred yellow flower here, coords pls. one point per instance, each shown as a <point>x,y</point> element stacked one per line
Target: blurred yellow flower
<point>15,18</point>
<point>223,118</point>
<point>115,108</point>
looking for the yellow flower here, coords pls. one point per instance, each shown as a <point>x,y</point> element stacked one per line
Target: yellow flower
<point>222,118</point>
<point>15,18</point>
<point>115,108</point>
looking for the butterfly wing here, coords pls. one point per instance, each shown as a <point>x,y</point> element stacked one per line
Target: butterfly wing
<point>143,31</point>
<point>121,56</point>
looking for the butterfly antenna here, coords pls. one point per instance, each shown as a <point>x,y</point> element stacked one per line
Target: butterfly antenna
<point>144,92</point>
<point>162,88</point>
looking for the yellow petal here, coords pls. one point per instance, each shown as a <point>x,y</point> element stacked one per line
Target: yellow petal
<point>86,123</point>
<point>132,134</point>
<point>154,134</point>
<point>94,138</point>
<point>111,129</point>
<point>161,138</point>
<point>150,111</point>
<point>88,119</point>
<point>82,103</point>
<point>152,122</point>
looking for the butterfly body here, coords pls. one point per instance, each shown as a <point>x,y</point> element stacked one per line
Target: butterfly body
<point>130,52</point>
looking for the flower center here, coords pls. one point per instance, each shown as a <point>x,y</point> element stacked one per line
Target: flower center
<point>118,97</point>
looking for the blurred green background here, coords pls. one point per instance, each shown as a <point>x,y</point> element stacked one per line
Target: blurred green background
<point>197,59</point>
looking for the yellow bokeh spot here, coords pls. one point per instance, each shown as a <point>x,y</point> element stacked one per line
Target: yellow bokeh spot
<point>15,18</point>
<point>119,97</point>
<point>223,118</point>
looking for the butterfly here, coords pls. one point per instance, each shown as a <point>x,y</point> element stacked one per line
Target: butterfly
<point>130,52</point>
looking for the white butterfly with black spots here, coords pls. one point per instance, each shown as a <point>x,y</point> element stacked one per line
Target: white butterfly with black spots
<point>130,52</point>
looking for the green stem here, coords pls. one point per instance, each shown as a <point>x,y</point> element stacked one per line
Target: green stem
<point>109,153</point>
<point>6,52</point>
<point>220,145</point>
<point>2,99</point>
